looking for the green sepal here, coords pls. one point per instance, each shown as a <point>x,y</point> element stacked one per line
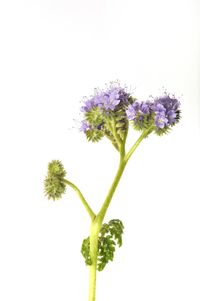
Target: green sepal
<point>95,116</point>
<point>94,135</point>
<point>161,132</point>
<point>146,123</point>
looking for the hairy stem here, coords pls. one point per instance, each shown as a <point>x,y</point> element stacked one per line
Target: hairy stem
<point>83,200</point>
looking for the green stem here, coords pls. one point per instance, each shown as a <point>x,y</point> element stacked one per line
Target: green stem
<point>123,145</point>
<point>83,200</point>
<point>97,222</point>
<point>136,144</point>
<point>112,189</point>
<point>92,282</point>
<point>95,228</point>
<point>123,161</point>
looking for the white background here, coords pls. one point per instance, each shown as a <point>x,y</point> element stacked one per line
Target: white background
<point>52,53</point>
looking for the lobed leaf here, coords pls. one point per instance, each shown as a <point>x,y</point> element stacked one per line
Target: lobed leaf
<point>110,235</point>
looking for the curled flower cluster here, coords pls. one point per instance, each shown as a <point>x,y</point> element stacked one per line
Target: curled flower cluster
<point>159,114</point>
<point>108,113</point>
<point>105,114</point>
<point>54,184</point>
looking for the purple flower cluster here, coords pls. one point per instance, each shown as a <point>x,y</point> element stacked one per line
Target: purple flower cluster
<point>107,112</point>
<point>166,111</point>
<point>137,109</point>
<point>161,113</point>
<point>107,100</point>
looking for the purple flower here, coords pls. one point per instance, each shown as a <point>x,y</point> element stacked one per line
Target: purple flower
<point>112,99</point>
<point>98,99</point>
<point>140,113</point>
<point>160,120</point>
<point>171,115</point>
<point>159,108</point>
<point>124,96</point>
<point>157,114</point>
<point>145,107</point>
<point>170,103</point>
<point>85,126</point>
<point>138,109</point>
<point>88,105</point>
<point>108,99</point>
<point>132,110</point>
<point>166,111</point>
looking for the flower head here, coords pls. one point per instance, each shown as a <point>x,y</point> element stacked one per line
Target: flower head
<point>160,114</point>
<point>167,113</point>
<point>105,110</point>
<point>139,113</point>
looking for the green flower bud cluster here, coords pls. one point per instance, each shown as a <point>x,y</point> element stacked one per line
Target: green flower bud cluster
<point>113,125</point>
<point>54,183</point>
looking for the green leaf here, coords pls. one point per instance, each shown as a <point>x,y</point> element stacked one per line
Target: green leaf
<point>85,251</point>
<point>110,235</point>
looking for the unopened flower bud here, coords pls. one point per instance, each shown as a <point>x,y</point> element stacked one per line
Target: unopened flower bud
<point>54,184</point>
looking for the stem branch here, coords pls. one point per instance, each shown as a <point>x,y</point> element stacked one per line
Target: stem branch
<point>123,161</point>
<point>136,144</point>
<point>83,200</point>
<point>112,189</point>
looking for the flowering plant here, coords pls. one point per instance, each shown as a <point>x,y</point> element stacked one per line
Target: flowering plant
<point>108,113</point>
